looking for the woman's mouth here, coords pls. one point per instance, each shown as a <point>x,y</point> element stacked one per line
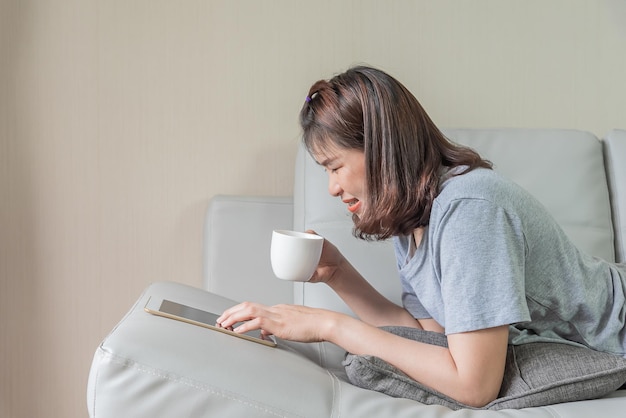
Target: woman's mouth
<point>353,205</point>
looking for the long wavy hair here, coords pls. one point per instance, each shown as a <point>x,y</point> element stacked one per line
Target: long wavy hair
<point>370,111</point>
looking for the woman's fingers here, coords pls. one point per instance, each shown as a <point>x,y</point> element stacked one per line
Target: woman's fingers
<point>245,311</point>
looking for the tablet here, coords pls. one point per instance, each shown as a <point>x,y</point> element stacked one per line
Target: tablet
<point>174,310</point>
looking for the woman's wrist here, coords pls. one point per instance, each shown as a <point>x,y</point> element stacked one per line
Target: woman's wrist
<point>333,325</point>
<point>341,272</point>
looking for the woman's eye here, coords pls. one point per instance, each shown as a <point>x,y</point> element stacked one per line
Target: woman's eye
<point>331,169</point>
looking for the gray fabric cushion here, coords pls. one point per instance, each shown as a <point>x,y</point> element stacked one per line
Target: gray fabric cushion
<point>535,374</point>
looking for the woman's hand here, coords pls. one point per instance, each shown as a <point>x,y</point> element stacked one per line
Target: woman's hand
<point>330,263</point>
<point>289,322</point>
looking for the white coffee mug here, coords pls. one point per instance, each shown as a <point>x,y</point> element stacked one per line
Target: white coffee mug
<point>294,255</point>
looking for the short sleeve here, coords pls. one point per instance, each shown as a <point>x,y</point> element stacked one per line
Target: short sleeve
<point>479,252</point>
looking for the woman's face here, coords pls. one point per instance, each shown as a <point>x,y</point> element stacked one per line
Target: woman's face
<point>346,175</point>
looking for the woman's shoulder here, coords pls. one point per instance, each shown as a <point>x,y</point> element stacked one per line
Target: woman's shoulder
<point>480,183</point>
<point>483,187</point>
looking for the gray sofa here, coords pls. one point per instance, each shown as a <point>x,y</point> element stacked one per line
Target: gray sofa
<point>155,367</point>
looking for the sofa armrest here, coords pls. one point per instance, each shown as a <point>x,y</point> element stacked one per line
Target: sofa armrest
<point>150,366</point>
<point>237,235</point>
<point>615,154</point>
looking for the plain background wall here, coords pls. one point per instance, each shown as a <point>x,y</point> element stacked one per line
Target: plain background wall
<point>120,119</point>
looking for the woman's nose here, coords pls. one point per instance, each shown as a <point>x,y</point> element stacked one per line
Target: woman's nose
<point>333,187</point>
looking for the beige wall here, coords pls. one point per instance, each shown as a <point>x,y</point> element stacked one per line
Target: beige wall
<point>120,119</point>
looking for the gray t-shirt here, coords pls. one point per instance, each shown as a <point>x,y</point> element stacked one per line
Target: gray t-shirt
<point>492,255</point>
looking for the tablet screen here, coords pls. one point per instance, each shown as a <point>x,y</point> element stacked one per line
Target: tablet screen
<point>174,310</point>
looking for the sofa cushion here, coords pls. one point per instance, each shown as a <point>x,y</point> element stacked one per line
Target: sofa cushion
<point>535,374</point>
<point>563,169</point>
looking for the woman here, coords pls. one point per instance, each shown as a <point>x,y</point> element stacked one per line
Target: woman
<point>478,257</point>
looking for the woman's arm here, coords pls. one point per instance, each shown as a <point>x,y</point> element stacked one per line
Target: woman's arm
<point>365,301</point>
<point>470,370</point>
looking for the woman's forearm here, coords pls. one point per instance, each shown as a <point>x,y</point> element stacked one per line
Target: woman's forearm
<point>365,301</point>
<point>470,371</point>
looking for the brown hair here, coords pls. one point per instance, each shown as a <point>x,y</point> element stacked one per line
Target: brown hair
<point>368,110</point>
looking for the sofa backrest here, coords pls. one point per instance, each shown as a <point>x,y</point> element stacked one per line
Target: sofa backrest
<point>564,169</point>
<point>615,156</point>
